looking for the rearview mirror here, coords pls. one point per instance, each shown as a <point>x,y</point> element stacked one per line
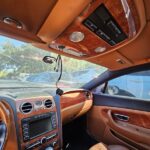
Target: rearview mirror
<point>49,59</point>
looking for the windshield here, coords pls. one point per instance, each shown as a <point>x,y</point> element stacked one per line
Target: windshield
<point>22,66</point>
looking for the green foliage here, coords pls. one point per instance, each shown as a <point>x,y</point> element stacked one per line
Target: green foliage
<point>3,74</point>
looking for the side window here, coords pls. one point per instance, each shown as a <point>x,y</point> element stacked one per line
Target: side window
<point>136,85</point>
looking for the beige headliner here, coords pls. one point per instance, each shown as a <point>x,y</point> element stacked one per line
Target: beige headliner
<point>55,16</point>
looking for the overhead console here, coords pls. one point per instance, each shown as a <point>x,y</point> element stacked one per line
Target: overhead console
<point>104,27</point>
<point>103,24</point>
<point>105,32</point>
<point>99,29</point>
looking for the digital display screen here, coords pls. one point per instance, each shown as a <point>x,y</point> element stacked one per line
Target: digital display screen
<point>40,127</point>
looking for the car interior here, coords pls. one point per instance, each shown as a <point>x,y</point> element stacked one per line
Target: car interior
<point>107,108</point>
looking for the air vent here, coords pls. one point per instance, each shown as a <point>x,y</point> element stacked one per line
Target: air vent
<point>48,103</point>
<point>26,107</point>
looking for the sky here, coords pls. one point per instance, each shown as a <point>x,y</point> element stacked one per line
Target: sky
<point>15,42</point>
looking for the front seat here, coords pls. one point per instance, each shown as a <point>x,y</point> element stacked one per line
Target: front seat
<point>101,146</point>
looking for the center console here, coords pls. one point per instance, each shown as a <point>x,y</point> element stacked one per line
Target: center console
<point>38,123</point>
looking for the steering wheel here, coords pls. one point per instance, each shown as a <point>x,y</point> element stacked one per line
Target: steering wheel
<point>4,120</point>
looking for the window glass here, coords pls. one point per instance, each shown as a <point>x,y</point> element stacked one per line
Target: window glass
<point>136,85</point>
<point>22,66</point>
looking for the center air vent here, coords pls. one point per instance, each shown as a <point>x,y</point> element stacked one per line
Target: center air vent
<point>26,107</point>
<point>48,103</point>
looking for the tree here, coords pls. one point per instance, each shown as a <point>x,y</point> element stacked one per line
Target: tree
<point>28,60</point>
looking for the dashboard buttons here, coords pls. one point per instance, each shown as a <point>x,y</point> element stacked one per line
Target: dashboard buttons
<point>103,24</point>
<point>112,42</point>
<point>54,123</point>
<point>101,34</point>
<point>54,143</point>
<point>42,141</point>
<point>25,125</point>
<point>91,25</point>
<point>26,138</point>
<point>113,27</point>
<point>25,131</point>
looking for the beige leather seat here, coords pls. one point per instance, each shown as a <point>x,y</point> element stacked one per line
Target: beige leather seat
<point>101,146</point>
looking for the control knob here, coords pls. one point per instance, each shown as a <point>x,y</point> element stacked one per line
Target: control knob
<point>43,140</point>
<point>54,143</point>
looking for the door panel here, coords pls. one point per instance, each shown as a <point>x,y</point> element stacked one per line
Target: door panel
<point>129,130</point>
<point>122,121</point>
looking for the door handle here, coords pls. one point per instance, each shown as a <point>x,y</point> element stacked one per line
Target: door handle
<point>120,117</point>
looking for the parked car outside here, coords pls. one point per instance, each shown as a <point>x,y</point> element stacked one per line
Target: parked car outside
<point>135,85</point>
<point>81,77</point>
<point>51,78</point>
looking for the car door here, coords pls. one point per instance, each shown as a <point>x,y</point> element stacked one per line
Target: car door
<point>121,110</point>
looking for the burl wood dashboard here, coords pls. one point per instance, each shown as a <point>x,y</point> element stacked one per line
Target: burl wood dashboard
<point>75,104</point>
<point>36,122</point>
<point>42,107</point>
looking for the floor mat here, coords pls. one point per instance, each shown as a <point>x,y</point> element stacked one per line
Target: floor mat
<point>76,137</point>
<point>80,142</point>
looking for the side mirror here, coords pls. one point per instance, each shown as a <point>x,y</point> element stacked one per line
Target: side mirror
<point>113,90</point>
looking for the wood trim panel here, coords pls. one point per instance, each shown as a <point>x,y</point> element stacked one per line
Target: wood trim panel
<point>116,9</point>
<point>74,97</point>
<point>137,44</point>
<point>33,113</point>
<point>71,99</point>
<point>75,104</point>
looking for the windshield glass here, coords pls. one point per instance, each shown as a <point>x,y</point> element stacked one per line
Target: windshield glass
<point>22,66</point>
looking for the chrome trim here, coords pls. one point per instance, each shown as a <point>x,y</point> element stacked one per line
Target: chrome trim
<point>53,104</point>
<point>121,117</point>
<point>20,108</point>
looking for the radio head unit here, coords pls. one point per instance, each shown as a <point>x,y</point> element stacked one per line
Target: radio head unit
<point>35,126</point>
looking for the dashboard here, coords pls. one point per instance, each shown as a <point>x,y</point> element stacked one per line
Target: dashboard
<point>36,122</point>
